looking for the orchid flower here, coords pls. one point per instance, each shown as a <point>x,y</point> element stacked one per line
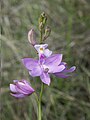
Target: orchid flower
<point>42,50</point>
<point>49,65</point>
<point>21,89</point>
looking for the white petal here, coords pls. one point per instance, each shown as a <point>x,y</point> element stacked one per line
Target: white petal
<point>44,46</point>
<point>12,88</point>
<point>47,52</point>
<point>37,47</point>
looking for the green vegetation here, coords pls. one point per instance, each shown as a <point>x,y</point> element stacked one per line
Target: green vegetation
<point>65,99</point>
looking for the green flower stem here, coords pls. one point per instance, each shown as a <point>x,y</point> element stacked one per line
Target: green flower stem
<point>41,36</point>
<point>39,103</point>
<point>41,92</point>
<point>39,111</point>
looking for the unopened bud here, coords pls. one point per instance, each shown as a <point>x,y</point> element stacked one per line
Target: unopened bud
<point>42,20</point>
<point>31,37</point>
<point>41,26</point>
<point>47,33</point>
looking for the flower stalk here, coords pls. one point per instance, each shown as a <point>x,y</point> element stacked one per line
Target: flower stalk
<point>39,103</point>
<point>41,37</point>
<point>42,86</point>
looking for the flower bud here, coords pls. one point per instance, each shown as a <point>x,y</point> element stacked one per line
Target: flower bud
<point>42,21</point>
<point>31,37</point>
<point>47,33</point>
<point>20,89</point>
<point>41,26</point>
<point>44,18</point>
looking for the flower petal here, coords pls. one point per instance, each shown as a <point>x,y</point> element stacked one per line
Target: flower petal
<point>45,78</point>
<point>65,73</point>
<point>53,60</point>
<point>15,81</point>
<point>42,58</point>
<point>63,63</point>
<point>70,70</point>
<point>24,88</point>
<point>44,46</point>
<point>18,95</point>
<point>30,63</point>
<point>37,47</point>
<point>37,71</point>
<point>47,52</point>
<point>13,88</point>
<point>55,69</point>
<point>62,75</point>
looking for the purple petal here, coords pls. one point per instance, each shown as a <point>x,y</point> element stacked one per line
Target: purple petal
<point>55,69</point>
<point>24,88</point>
<point>63,63</point>
<point>70,70</point>
<point>30,63</point>
<point>13,88</point>
<point>64,73</point>
<point>42,58</point>
<point>37,71</point>
<point>25,82</point>
<point>18,95</point>
<point>53,60</point>
<point>45,78</point>
<point>24,91</point>
<point>15,81</point>
<point>61,75</point>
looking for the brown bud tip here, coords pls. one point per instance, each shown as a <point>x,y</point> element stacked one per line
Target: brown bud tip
<point>48,29</point>
<point>31,37</point>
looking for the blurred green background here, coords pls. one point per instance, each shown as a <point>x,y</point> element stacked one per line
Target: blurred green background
<point>65,99</point>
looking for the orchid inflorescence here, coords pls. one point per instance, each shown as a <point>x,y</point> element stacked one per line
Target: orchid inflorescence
<point>46,64</point>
